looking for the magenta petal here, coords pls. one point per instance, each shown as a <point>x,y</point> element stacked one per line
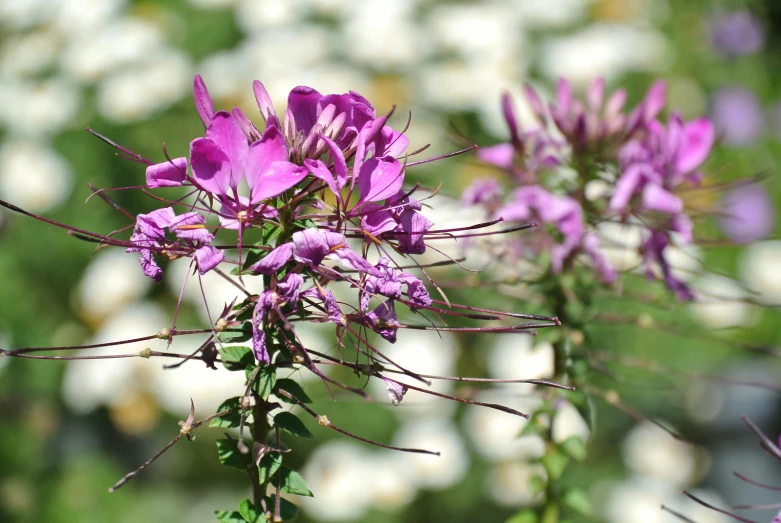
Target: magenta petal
<point>210,165</point>
<point>380,178</point>
<point>278,178</point>
<point>321,172</point>
<point>271,148</point>
<point>596,94</point>
<point>149,266</point>
<point>340,165</point>
<point>627,184</point>
<point>563,97</point>
<point>264,101</point>
<point>208,258</point>
<point>696,144</point>
<point>500,155</point>
<point>655,100</point>
<point>302,103</point>
<point>534,102</point>
<point>167,174</point>
<point>203,102</point>
<point>275,259</point>
<point>655,198</point>
<point>226,132</point>
<point>509,116</point>
<point>189,226</point>
<point>377,222</point>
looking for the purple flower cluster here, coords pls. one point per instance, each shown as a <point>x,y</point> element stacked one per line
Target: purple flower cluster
<point>642,159</point>
<point>325,150</point>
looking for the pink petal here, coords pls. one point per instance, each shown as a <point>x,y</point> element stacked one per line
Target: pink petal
<point>211,167</point>
<point>509,116</point>
<point>167,174</point>
<point>655,198</point>
<point>274,260</point>
<point>226,132</point>
<point>203,102</point>
<point>271,148</point>
<point>321,172</point>
<point>655,100</point>
<point>279,177</point>
<point>596,94</point>
<point>208,258</point>
<point>696,144</point>
<point>380,178</point>
<point>264,101</point>
<point>302,103</point>
<point>563,97</point>
<point>500,155</point>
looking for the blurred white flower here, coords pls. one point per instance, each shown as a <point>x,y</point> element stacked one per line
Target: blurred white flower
<point>225,76</point>
<point>28,53</point>
<point>496,434</point>
<point>620,243</point>
<point>253,16</point>
<point>140,92</point>
<point>33,176</point>
<point>758,268</point>
<point>389,480</point>
<point>425,353</point>
<point>608,50</point>
<point>337,473</point>
<point>508,483</point>
<point>477,31</point>
<point>568,422</point>
<point>542,14</point>
<point>114,47</point>
<point>650,451</point>
<point>639,500</point>
<point>15,14</point>
<point>111,280</point>
<point>78,17</point>
<point>516,357</point>
<point>48,106</point>
<point>428,471</point>
<point>719,303</point>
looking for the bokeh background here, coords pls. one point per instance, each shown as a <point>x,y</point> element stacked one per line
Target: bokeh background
<point>70,430</point>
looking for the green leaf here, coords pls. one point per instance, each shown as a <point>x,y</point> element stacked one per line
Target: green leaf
<point>525,516</point>
<point>224,516</point>
<point>294,389</point>
<point>250,513</point>
<point>269,465</point>
<point>575,448</point>
<point>291,482</point>
<point>555,462</point>
<point>240,335</point>
<point>537,484</point>
<point>230,420</point>
<point>291,424</point>
<point>229,454</point>
<point>577,500</point>
<point>237,358</point>
<point>264,381</point>
<point>287,509</point>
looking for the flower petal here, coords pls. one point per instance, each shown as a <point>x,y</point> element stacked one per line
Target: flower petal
<point>275,259</point>
<point>261,154</point>
<point>203,102</point>
<point>500,155</point>
<point>208,258</point>
<point>380,178</point>
<point>278,178</point>
<point>302,103</point>
<point>167,174</point>
<point>211,167</point>
<point>226,132</point>
<point>696,144</point>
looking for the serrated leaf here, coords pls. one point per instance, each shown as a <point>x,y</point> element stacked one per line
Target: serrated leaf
<point>250,513</point>
<point>226,516</point>
<point>294,389</point>
<point>269,465</point>
<point>237,358</point>
<point>264,381</point>
<point>577,500</point>
<point>291,424</point>
<point>575,448</point>
<point>229,454</point>
<point>290,482</point>
<point>525,516</point>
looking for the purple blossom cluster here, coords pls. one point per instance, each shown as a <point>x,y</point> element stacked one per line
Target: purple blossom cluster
<point>328,153</point>
<point>642,159</point>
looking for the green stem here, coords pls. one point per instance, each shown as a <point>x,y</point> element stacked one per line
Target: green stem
<point>260,432</point>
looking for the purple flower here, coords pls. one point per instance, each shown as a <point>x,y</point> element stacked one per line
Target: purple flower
<point>312,246</point>
<point>748,214</point>
<point>167,174</point>
<point>388,281</point>
<point>737,115</point>
<point>149,232</point>
<point>264,304</point>
<point>653,253</point>
<point>384,321</point>
<point>564,213</point>
<point>329,302</point>
<point>737,33</point>
<point>396,391</point>
<point>481,192</point>
<point>208,258</point>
